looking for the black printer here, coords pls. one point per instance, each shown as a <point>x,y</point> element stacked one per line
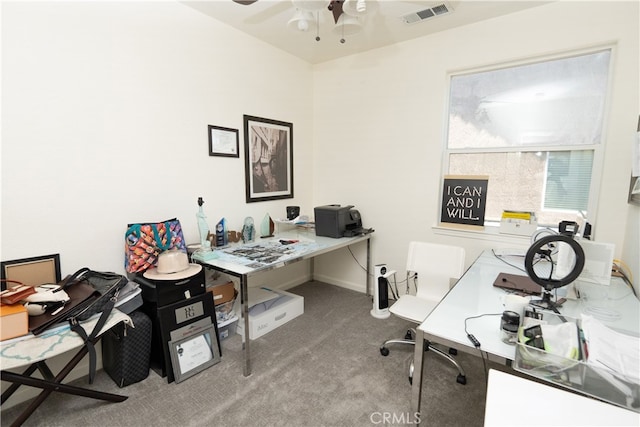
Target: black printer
<point>338,221</point>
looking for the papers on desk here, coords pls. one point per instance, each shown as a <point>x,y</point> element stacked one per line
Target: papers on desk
<point>611,350</point>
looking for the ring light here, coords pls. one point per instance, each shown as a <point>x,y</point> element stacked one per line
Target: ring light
<point>541,263</point>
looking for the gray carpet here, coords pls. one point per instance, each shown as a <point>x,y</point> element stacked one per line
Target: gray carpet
<point>323,368</point>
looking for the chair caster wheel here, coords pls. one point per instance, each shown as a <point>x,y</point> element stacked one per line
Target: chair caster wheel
<point>384,351</point>
<point>411,380</point>
<point>461,379</point>
<point>408,336</point>
<point>453,352</point>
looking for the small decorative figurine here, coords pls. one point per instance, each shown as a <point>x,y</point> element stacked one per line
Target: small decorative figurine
<point>248,230</point>
<point>221,233</point>
<point>267,227</point>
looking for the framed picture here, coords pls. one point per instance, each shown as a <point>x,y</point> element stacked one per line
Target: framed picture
<point>223,142</point>
<point>194,353</point>
<point>31,271</point>
<point>268,150</point>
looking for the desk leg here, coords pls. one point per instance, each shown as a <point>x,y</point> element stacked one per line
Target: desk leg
<point>418,365</point>
<point>244,306</point>
<point>368,292</point>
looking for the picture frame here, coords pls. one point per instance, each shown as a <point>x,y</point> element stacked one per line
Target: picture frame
<point>634,191</point>
<point>194,353</point>
<point>223,142</point>
<point>31,271</point>
<point>268,150</point>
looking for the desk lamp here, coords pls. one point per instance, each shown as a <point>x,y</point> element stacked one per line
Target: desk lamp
<point>541,262</point>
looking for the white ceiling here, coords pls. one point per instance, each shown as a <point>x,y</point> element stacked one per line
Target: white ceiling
<point>383,26</point>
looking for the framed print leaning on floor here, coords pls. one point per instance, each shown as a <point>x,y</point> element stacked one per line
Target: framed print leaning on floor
<point>268,148</point>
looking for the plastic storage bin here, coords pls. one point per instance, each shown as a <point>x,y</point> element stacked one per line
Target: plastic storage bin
<point>578,374</point>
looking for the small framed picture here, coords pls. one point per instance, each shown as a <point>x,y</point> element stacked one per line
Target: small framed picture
<point>32,271</point>
<point>194,353</point>
<point>223,142</point>
<point>268,152</point>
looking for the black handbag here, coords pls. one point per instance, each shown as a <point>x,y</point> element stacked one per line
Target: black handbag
<point>108,286</point>
<point>90,292</point>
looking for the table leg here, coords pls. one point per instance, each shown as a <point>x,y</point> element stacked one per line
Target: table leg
<point>368,291</point>
<point>63,388</point>
<point>37,401</point>
<point>244,307</point>
<point>418,365</point>
<point>13,387</point>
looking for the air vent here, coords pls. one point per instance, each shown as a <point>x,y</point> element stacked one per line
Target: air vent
<point>431,12</point>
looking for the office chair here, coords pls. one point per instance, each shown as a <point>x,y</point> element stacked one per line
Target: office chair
<point>431,266</point>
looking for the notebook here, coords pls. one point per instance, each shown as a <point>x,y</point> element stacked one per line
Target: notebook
<point>517,283</point>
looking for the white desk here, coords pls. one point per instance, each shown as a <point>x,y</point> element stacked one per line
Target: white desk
<point>229,260</point>
<point>474,294</point>
<point>513,401</point>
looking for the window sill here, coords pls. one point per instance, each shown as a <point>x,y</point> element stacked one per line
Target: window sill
<point>489,233</point>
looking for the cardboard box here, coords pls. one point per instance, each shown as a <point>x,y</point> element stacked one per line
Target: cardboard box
<point>222,293</point>
<point>264,318</point>
<point>14,321</point>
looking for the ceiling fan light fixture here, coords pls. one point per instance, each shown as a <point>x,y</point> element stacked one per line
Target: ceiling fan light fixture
<point>301,21</point>
<point>310,5</point>
<point>354,7</point>
<point>347,25</point>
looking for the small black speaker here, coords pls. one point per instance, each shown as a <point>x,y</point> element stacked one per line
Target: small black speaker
<point>293,212</point>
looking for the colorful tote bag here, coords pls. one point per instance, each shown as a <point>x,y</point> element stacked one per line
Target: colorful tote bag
<point>145,241</point>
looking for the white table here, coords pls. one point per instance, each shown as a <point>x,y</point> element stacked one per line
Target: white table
<point>236,260</point>
<point>513,401</point>
<point>474,295</point>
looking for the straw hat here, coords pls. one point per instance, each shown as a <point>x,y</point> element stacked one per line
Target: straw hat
<point>172,265</point>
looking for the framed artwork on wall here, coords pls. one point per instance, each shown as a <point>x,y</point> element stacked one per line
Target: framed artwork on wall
<point>268,150</point>
<point>223,142</point>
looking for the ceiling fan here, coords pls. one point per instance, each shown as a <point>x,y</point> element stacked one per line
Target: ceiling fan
<point>347,14</point>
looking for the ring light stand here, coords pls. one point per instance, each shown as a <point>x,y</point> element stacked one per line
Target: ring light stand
<point>541,262</point>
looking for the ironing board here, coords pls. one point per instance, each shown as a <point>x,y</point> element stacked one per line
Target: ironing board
<point>35,350</point>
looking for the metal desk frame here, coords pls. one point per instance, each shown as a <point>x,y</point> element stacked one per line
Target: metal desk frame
<point>474,294</point>
<point>243,272</point>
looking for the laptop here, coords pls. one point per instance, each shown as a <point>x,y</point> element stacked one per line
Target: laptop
<point>517,283</point>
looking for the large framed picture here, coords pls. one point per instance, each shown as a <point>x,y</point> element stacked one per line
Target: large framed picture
<point>223,142</point>
<point>194,353</point>
<point>268,148</point>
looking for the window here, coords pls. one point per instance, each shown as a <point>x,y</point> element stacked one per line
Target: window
<point>535,129</point>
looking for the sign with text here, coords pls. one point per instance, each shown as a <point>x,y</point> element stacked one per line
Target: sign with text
<point>464,199</point>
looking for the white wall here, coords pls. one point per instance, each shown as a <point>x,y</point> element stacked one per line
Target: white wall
<point>379,124</point>
<point>105,108</point>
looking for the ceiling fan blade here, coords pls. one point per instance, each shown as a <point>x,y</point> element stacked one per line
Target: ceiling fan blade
<point>245,2</point>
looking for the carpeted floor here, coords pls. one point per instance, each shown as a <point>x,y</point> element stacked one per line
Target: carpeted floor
<point>323,368</point>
